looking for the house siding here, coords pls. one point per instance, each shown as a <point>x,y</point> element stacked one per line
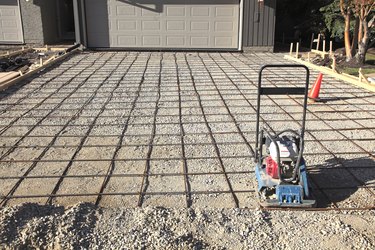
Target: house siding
<point>259,25</point>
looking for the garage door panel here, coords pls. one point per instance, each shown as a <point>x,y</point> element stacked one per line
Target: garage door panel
<point>166,24</point>
<point>176,25</point>
<point>147,11</point>
<point>125,10</point>
<point>175,11</point>
<point>10,22</point>
<point>126,25</point>
<point>223,41</point>
<point>131,40</point>
<point>153,41</point>
<point>199,42</point>
<point>7,12</point>
<point>175,41</point>
<point>200,11</point>
<point>224,12</point>
<point>224,26</point>
<point>150,25</point>
<point>200,25</point>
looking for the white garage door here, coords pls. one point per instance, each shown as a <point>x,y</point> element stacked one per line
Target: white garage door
<point>163,24</point>
<point>10,22</point>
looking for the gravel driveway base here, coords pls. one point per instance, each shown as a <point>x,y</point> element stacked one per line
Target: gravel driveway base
<point>138,129</point>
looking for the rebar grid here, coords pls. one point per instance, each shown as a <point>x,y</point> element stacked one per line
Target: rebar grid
<point>173,129</point>
<point>368,188</point>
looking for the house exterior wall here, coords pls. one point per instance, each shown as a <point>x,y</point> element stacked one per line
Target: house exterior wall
<point>40,24</point>
<point>39,21</point>
<point>259,25</point>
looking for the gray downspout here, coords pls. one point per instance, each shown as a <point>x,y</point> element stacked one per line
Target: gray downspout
<point>82,13</point>
<point>77,25</point>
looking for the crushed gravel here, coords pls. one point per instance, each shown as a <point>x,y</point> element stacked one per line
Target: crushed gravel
<point>32,226</point>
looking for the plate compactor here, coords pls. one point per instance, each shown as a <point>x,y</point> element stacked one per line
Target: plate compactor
<point>280,168</point>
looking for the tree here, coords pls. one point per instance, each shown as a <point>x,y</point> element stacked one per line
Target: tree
<point>352,20</point>
<point>334,21</point>
<point>364,10</point>
<point>346,8</point>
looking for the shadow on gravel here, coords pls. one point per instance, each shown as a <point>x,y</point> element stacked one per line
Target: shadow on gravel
<point>83,225</point>
<point>338,180</point>
<point>15,218</point>
<point>342,98</point>
<point>191,241</point>
<point>32,225</point>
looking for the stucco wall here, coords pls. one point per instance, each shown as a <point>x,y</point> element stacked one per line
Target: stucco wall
<point>39,21</point>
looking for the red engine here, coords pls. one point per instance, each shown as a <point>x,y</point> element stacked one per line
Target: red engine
<point>271,168</point>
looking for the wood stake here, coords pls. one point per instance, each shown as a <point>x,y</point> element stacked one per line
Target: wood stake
<point>297,48</point>
<point>361,76</point>
<point>41,61</point>
<point>308,56</point>
<point>312,41</point>
<point>324,46</point>
<point>291,49</point>
<point>318,43</point>
<point>330,48</point>
<point>334,64</point>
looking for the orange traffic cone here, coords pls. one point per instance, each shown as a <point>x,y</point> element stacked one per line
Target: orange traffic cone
<point>314,92</point>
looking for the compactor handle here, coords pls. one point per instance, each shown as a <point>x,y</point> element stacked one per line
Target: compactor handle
<point>281,91</point>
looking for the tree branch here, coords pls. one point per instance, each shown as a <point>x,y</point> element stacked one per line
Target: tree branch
<point>368,10</point>
<point>342,3</point>
<point>369,24</point>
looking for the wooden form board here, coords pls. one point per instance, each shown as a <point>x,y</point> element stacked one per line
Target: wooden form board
<point>325,70</point>
<point>6,76</point>
<point>15,53</point>
<point>13,81</point>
